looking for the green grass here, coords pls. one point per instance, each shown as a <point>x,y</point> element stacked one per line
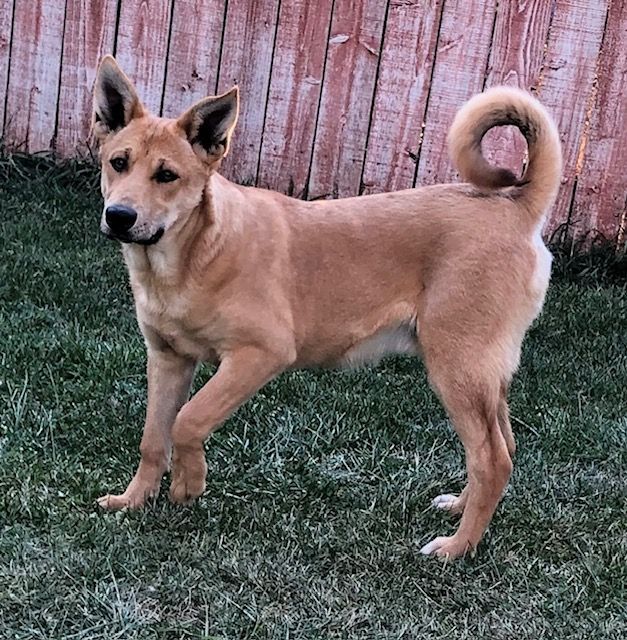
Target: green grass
<point>318,492</point>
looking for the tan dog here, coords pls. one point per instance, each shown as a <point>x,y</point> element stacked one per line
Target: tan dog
<point>261,283</point>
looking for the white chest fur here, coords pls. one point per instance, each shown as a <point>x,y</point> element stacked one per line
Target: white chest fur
<point>169,316</point>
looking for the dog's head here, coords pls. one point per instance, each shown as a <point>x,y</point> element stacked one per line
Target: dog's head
<point>154,170</point>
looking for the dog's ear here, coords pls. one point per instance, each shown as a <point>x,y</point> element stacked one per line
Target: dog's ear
<point>209,124</point>
<point>115,100</point>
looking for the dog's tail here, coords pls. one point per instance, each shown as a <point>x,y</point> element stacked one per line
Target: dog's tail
<point>537,188</point>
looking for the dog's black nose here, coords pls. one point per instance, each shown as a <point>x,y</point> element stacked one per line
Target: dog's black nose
<point>120,218</point>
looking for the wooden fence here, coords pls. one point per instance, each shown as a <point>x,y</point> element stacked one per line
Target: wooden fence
<point>339,97</point>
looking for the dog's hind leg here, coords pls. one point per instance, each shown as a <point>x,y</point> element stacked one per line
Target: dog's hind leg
<point>452,503</point>
<point>473,412</point>
<point>455,504</point>
<point>466,375</point>
<point>169,380</point>
<point>504,421</point>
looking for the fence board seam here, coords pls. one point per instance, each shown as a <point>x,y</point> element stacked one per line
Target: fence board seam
<point>56,115</point>
<point>118,11</point>
<point>374,96</point>
<point>487,60</point>
<point>584,139</point>
<point>142,39</point>
<point>269,86</point>
<point>315,129</point>
<point>224,13</point>
<point>167,57</point>
<point>566,226</point>
<point>563,229</point>
<point>343,114</point>
<point>6,88</point>
<point>545,50</point>
<point>599,204</point>
<point>37,33</point>
<point>249,27</point>
<point>425,110</point>
<point>406,65</point>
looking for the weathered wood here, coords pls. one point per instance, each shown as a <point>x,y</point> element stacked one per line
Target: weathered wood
<point>465,35</point>
<point>401,95</point>
<point>520,31</point>
<point>293,97</point>
<point>431,58</point>
<point>142,47</point>
<point>6,20</point>
<point>194,56</point>
<point>247,49</point>
<point>89,34</point>
<point>601,195</point>
<point>347,92</point>
<point>566,87</point>
<point>34,75</point>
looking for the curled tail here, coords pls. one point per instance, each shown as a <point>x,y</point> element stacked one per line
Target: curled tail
<point>537,188</point>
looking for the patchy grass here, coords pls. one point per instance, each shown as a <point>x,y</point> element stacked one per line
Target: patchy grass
<point>319,488</point>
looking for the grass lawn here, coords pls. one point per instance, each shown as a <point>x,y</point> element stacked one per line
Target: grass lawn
<point>318,492</point>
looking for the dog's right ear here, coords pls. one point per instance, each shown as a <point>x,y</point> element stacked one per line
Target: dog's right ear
<point>115,100</point>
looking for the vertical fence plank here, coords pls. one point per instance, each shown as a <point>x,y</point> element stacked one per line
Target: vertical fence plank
<point>194,55</point>
<point>347,91</point>
<point>247,49</point>
<point>142,47</point>
<point>293,96</point>
<point>566,86</point>
<point>601,196</point>
<point>401,95</point>
<point>6,20</point>
<point>465,35</point>
<point>520,31</point>
<point>89,34</point>
<point>34,75</point>
<point>433,57</point>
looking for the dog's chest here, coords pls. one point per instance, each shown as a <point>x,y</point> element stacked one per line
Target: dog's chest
<point>174,320</point>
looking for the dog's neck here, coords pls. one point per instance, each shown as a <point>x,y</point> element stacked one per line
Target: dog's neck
<point>188,249</point>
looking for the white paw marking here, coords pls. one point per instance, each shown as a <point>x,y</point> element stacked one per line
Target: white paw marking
<point>446,501</point>
<point>433,546</point>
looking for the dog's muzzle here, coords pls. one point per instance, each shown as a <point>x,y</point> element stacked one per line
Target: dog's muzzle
<point>123,237</point>
<point>120,220</point>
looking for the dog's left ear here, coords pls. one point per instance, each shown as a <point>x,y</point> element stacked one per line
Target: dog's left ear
<point>209,124</point>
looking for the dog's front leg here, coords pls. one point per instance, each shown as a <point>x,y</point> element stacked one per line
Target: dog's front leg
<point>240,375</point>
<point>169,380</point>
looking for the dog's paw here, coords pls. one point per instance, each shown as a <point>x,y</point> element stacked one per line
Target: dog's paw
<point>185,490</point>
<point>115,503</point>
<point>135,496</point>
<point>447,548</point>
<point>449,502</point>
<point>189,471</point>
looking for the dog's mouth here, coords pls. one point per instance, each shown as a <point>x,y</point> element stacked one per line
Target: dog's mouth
<point>153,239</point>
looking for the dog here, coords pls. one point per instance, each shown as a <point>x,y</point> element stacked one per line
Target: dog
<point>260,283</point>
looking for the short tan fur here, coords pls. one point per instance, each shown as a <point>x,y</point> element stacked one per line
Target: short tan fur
<point>261,283</point>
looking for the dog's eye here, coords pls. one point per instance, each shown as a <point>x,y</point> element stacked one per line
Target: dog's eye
<point>165,175</point>
<point>119,164</point>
